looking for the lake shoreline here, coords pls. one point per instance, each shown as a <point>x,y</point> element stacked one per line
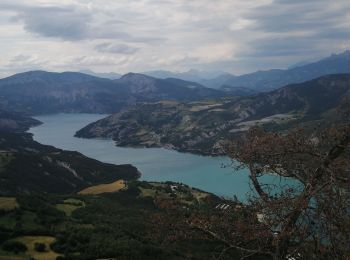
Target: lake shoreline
<point>207,173</point>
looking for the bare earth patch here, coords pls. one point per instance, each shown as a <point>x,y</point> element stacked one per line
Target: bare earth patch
<point>103,188</point>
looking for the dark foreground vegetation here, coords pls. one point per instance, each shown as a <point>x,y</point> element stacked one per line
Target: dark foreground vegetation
<point>144,221</point>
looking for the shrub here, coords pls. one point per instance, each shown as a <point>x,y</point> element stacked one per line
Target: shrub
<point>40,247</point>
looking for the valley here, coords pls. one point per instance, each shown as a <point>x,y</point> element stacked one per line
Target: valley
<point>143,168</point>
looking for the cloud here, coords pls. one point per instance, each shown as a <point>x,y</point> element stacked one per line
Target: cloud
<point>127,35</point>
<point>61,23</point>
<point>66,22</point>
<point>116,48</point>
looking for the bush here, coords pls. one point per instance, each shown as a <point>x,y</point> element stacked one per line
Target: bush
<point>40,247</point>
<point>14,246</point>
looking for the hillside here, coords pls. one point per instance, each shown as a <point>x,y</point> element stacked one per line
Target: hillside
<point>272,79</point>
<point>27,166</point>
<point>16,122</point>
<point>39,92</point>
<point>204,127</point>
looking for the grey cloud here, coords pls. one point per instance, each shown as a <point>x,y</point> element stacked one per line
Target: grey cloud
<point>116,48</point>
<point>62,23</point>
<point>290,17</point>
<point>298,28</point>
<point>70,23</point>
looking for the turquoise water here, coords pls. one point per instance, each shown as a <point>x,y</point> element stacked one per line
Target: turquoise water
<point>155,164</point>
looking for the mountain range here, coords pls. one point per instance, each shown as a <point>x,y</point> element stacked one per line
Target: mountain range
<point>39,92</point>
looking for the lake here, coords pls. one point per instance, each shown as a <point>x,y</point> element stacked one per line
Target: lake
<point>155,164</point>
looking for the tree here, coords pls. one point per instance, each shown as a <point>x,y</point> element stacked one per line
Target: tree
<point>308,219</point>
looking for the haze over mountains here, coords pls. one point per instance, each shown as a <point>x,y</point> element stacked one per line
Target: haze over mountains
<point>257,81</point>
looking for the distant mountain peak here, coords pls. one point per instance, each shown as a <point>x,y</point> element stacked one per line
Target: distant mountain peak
<point>135,75</point>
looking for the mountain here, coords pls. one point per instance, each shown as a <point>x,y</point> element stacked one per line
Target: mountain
<point>204,127</point>
<point>108,75</point>
<point>272,79</point>
<point>147,88</point>
<point>39,92</point>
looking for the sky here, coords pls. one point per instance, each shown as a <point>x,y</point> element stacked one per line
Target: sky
<point>236,36</point>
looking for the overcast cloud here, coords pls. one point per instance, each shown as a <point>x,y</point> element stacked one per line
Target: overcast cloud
<point>236,36</point>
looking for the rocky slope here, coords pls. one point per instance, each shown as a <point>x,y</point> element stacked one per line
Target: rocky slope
<point>40,92</point>
<point>204,127</point>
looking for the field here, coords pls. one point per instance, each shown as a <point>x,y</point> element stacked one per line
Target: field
<point>29,241</point>
<point>8,203</point>
<point>104,188</point>
<point>69,205</point>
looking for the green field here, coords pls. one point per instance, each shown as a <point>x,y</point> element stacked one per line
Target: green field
<point>69,205</point>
